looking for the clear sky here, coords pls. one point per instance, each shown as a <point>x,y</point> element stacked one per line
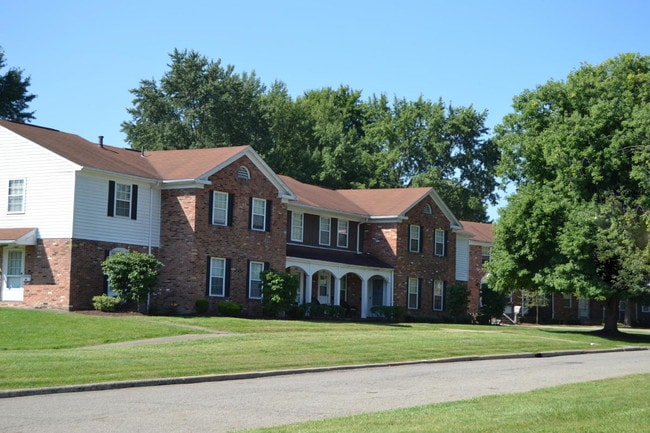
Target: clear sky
<point>83,57</point>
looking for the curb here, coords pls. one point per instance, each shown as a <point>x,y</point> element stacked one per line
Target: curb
<point>259,374</point>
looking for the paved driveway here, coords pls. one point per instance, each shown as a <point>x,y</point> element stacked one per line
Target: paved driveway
<point>241,404</point>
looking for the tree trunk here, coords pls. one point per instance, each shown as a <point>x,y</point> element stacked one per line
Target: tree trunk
<point>611,316</point>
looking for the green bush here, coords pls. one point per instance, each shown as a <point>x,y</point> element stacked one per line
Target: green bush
<point>229,308</point>
<point>202,306</point>
<point>132,275</point>
<point>279,292</point>
<point>393,313</point>
<point>106,303</point>
<point>318,311</point>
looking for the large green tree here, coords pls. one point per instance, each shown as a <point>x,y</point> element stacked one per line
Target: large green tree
<point>14,98</point>
<point>579,151</point>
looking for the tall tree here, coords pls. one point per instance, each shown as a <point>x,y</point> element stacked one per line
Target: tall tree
<point>14,99</point>
<point>578,151</point>
<point>197,103</point>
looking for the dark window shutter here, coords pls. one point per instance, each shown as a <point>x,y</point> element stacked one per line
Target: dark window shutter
<point>421,244</point>
<point>226,291</point>
<point>106,254</point>
<point>250,213</point>
<point>444,294</point>
<point>231,208</point>
<point>210,206</point>
<point>268,215</point>
<point>111,198</point>
<point>444,253</point>
<point>408,237</point>
<point>248,279</point>
<point>207,277</point>
<point>134,202</point>
<point>419,293</point>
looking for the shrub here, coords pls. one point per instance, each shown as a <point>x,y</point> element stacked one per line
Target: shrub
<point>229,308</point>
<point>393,313</point>
<point>318,311</point>
<point>132,275</point>
<point>493,304</point>
<point>457,302</point>
<point>106,303</point>
<point>202,306</point>
<point>279,292</point>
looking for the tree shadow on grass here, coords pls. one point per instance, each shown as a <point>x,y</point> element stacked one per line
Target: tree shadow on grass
<point>618,336</point>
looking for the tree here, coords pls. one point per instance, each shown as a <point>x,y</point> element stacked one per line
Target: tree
<point>457,301</point>
<point>14,98</point>
<point>578,151</point>
<point>132,275</point>
<point>279,292</point>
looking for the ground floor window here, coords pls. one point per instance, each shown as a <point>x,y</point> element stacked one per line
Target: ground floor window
<point>413,293</point>
<point>438,295</point>
<point>255,280</point>
<point>217,277</point>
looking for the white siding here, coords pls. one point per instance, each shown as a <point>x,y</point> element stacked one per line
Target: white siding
<point>91,206</point>
<point>462,258</point>
<point>49,186</point>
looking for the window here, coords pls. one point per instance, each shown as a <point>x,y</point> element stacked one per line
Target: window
<point>439,248</point>
<point>486,254</point>
<point>343,230</point>
<point>258,214</point>
<point>122,200</point>
<point>220,208</point>
<point>413,293</point>
<point>255,280</point>
<point>427,209</point>
<point>243,173</point>
<point>566,301</point>
<point>645,308</point>
<point>297,225</point>
<point>217,281</point>
<point>438,295</point>
<point>414,238</point>
<point>16,198</point>
<point>325,227</point>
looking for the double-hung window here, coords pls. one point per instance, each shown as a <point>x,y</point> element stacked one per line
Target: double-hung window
<point>217,277</point>
<point>220,208</point>
<point>258,214</point>
<point>122,200</point>
<point>438,295</point>
<point>325,229</point>
<point>414,238</point>
<point>343,233</point>
<point>413,293</point>
<point>255,280</point>
<point>16,197</point>
<point>439,247</point>
<point>297,226</point>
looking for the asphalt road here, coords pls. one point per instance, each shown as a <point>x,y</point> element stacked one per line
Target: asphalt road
<point>242,404</point>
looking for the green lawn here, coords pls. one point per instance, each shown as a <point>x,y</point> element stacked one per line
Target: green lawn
<point>606,406</point>
<point>44,348</point>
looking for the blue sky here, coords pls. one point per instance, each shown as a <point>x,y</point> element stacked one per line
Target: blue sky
<point>84,56</point>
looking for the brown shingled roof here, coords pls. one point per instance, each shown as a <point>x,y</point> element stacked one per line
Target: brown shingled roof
<point>323,198</point>
<point>482,232</point>
<point>385,202</point>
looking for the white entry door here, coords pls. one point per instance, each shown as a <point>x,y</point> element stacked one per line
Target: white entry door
<point>324,288</point>
<point>13,264</point>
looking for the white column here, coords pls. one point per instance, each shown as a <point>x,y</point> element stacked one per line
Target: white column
<point>337,290</point>
<point>308,294</point>
<point>364,298</point>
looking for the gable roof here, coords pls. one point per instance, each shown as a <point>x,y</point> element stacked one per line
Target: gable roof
<point>187,165</point>
<point>317,197</point>
<point>479,232</point>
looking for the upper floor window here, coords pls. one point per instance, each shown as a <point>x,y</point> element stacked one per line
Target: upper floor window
<point>413,293</point>
<point>255,279</point>
<point>258,214</point>
<point>220,206</point>
<point>325,230</point>
<point>427,209</point>
<point>440,241</point>
<point>414,238</point>
<point>438,295</point>
<point>16,196</point>
<point>486,253</point>
<point>297,226</point>
<point>343,233</point>
<point>122,200</point>
<point>243,173</point>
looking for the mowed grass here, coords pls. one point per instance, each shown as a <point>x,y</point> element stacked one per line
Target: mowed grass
<point>44,348</point>
<point>606,406</point>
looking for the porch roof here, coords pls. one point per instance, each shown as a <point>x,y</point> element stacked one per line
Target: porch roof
<point>336,256</point>
<point>18,236</point>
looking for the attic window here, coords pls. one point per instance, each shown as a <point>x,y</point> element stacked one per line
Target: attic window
<point>427,209</point>
<point>243,173</point>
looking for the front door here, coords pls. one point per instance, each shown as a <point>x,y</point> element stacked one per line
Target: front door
<point>13,264</point>
<point>377,293</point>
<point>324,287</point>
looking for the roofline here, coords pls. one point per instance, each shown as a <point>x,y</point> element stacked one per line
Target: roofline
<point>360,217</point>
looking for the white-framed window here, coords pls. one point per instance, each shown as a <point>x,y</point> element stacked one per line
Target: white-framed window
<point>413,293</point>
<point>219,208</point>
<point>414,238</point>
<point>438,295</point>
<point>217,277</point>
<point>297,226</point>
<point>566,300</point>
<point>325,230</point>
<point>439,247</point>
<point>16,196</point>
<point>255,280</point>
<point>122,200</point>
<point>342,233</point>
<point>486,253</point>
<point>258,214</point>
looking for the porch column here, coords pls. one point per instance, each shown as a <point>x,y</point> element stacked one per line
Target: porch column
<point>308,294</point>
<point>364,298</point>
<point>337,291</point>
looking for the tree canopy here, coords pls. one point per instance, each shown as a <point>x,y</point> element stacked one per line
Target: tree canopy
<point>327,137</point>
<point>578,151</point>
<point>14,99</point>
